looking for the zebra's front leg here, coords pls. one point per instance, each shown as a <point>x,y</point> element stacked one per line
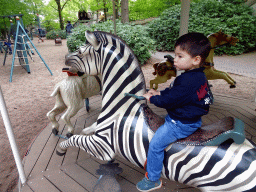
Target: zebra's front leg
<point>97,145</point>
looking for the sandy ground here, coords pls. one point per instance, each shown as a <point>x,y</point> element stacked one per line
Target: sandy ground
<point>28,99</point>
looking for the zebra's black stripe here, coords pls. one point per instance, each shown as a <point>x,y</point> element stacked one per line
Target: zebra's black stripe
<point>94,56</point>
<point>113,63</point>
<point>175,148</point>
<point>121,128</point>
<point>117,76</point>
<point>109,54</point>
<point>131,138</point>
<point>119,104</point>
<point>82,143</point>
<point>251,190</point>
<point>91,138</point>
<point>145,138</point>
<point>103,138</point>
<point>102,147</point>
<point>243,165</point>
<point>218,155</point>
<point>91,151</point>
<point>191,155</point>
<point>119,90</point>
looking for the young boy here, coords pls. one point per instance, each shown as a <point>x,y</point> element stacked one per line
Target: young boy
<point>186,101</point>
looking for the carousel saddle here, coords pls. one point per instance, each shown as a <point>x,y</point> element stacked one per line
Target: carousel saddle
<point>210,135</point>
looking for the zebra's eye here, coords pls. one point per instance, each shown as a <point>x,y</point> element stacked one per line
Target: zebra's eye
<point>79,51</point>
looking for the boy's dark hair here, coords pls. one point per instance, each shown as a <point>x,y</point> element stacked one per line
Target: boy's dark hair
<point>195,44</point>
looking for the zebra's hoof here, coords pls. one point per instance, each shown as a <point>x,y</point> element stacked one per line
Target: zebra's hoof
<point>232,86</point>
<point>69,135</point>
<point>55,131</point>
<point>60,151</point>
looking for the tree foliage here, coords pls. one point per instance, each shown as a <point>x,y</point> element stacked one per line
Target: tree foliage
<point>142,9</point>
<point>136,37</point>
<point>13,7</point>
<point>208,17</point>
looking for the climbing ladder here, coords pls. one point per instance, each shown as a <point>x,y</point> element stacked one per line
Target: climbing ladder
<point>23,49</point>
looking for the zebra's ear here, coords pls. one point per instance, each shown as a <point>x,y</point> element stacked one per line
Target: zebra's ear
<point>92,39</point>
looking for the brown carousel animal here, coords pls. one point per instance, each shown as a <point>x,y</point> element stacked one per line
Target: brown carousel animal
<point>165,70</point>
<point>218,39</point>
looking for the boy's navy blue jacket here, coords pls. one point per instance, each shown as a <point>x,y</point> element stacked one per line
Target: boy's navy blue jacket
<point>188,99</point>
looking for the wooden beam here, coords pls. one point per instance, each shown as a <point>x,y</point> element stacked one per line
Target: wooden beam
<point>184,16</point>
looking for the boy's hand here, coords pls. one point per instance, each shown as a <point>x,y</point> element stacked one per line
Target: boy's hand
<point>148,95</point>
<point>151,93</point>
<point>154,92</point>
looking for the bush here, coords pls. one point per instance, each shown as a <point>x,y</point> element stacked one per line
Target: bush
<point>208,17</point>
<point>53,34</point>
<point>136,37</point>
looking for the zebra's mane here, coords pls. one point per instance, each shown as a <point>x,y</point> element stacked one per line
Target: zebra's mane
<point>128,50</point>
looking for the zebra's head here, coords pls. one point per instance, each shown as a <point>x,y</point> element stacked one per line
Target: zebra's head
<point>86,58</point>
<point>108,55</point>
<point>75,61</point>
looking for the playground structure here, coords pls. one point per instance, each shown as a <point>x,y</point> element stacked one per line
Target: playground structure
<point>21,45</point>
<point>165,70</point>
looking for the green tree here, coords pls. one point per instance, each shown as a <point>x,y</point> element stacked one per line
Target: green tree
<point>13,7</point>
<point>207,17</point>
<point>59,9</point>
<point>142,9</point>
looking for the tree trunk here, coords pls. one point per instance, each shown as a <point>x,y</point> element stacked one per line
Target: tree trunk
<point>60,15</point>
<point>114,15</point>
<point>124,11</point>
<point>105,10</point>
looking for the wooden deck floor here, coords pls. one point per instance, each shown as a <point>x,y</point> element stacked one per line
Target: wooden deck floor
<point>76,171</point>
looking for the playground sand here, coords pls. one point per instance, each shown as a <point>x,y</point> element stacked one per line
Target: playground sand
<point>28,99</point>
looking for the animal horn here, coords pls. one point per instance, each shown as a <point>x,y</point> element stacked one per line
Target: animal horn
<point>92,39</point>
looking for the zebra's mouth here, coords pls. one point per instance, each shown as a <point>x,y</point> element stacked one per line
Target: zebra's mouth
<point>72,72</point>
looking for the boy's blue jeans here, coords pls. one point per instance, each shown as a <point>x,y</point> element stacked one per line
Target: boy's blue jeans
<point>168,133</point>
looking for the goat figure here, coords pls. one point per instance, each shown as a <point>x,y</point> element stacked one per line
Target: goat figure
<point>70,94</point>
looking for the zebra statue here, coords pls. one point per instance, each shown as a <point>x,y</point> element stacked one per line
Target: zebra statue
<point>126,125</point>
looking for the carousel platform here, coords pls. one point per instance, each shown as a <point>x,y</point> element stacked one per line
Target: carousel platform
<point>76,171</point>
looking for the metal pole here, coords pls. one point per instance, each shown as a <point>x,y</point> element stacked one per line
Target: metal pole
<point>14,51</point>
<point>11,137</point>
